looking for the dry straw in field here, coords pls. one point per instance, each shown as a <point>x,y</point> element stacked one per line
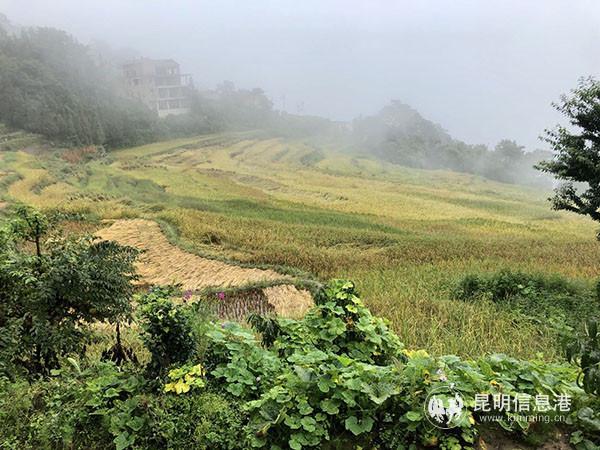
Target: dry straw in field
<point>163,263</point>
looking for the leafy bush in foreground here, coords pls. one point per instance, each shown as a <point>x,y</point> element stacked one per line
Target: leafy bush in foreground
<point>203,421</point>
<point>338,378</point>
<point>105,406</point>
<point>50,293</point>
<point>340,375</point>
<point>97,408</point>
<point>585,350</point>
<point>167,329</point>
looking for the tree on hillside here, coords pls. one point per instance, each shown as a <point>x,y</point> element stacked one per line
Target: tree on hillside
<point>52,288</point>
<point>49,84</point>
<point>577,151</point>
<point>508,151</point>
<point>401,135</point>
<point>506,163</point>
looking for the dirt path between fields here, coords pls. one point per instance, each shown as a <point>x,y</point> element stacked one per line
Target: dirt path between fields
<point>165,263</point>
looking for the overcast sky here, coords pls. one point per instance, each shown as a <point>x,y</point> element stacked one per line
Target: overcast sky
<point>483,69</point>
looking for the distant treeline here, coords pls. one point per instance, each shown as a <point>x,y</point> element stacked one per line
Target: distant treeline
<point>399,134</point>
<point>52,85</point>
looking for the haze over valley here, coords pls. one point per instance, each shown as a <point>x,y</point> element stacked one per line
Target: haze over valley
<point>304,225</point>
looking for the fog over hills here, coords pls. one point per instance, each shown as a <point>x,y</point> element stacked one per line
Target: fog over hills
<point>485,70</point>
<point>75,94</point>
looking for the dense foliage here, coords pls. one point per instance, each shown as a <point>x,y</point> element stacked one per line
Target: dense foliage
<point>338,378</point>
<point>167,329</point>
<point>51,291</point>
<point>549,300</point>
<point>587,350</point>
<point>584,350</point>
<point>49,84</point>
<point>399,134</point>
<point>577,151</point>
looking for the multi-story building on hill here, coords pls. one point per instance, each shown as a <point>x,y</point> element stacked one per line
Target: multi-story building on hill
<point>159,84</point>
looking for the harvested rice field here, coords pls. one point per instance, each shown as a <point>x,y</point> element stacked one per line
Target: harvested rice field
<point>163,263</point>
<point>234,204</point>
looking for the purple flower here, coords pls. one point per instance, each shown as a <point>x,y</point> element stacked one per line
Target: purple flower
<point>221,295</point>
<point>187,295</point>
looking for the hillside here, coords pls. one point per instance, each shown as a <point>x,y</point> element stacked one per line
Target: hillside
<point>401,135</point>
<point>73,94</point>
<point>404,235</point>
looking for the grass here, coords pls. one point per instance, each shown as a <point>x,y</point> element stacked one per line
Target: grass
<point>406,236</point>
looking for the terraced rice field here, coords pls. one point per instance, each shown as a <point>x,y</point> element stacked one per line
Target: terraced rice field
<point>404,235</point>
<point>162,263</point>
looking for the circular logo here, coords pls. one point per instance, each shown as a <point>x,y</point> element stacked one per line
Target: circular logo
<point>443,406</point>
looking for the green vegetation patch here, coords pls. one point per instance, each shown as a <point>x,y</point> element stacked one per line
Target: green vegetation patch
<point>542,298</point>
<point>337,378</point>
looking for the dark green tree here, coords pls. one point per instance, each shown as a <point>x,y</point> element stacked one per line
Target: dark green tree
<point>577,151</point>
<point>53,287</point>
<point>50,84</point>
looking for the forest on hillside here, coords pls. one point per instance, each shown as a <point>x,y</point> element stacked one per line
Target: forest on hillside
<point>53,85</point>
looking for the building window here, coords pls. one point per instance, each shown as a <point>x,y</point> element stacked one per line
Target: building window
<point>173,104</point>
<point>163,93</point>
<point>163,104</point>
<point>174,92</point>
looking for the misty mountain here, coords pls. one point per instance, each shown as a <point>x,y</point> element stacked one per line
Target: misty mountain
<point>71,93</point>
<point>401,135</point>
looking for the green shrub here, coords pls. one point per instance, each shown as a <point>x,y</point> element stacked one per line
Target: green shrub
<point>53,287</point>
<point>343,325</point>
<point>203,421</point>
<point>552,300</point>
<point>585,350</point>
<point>341,377</point>
<point>168,330</point>
<point>97,408</point>
<point>16,401</point>
<point>506,284</point>
<point>235,358</point>
<point>322,378</point>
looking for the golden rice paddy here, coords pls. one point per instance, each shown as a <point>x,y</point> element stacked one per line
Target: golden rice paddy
<point>404,235</point>
<point>162,263</point>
